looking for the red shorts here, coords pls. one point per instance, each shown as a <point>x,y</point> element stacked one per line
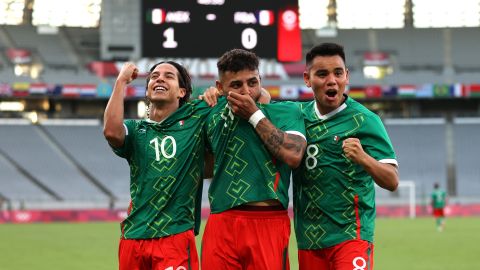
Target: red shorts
<point>438,212</point>
<point>177,252</point>
<point>348,255</point>
<point>239,239</point>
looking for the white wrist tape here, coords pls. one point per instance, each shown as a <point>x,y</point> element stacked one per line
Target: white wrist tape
<point>255,118</point>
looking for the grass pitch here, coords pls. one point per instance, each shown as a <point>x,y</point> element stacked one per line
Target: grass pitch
<point>399,244</point>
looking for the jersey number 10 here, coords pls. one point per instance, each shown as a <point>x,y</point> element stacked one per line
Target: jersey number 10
<point>162,149</point>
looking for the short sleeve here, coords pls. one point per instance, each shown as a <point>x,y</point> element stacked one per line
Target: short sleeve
<point>286,116</point>
<point>376,142</point>
<point>125,150</point>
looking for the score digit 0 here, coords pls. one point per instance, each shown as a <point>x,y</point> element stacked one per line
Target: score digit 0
<point>249,38</point>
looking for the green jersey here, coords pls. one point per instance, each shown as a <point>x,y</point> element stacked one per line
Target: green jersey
<point>166,170</point>
<point>334,198</point>
<point>439,198</point>
<point>244,170</point>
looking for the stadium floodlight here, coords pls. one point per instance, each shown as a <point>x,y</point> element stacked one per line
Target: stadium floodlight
<point>370,14</point>
<point>79,13</point>
<point>445,13</point>
<point>313,14</point>
<point>11,12</point>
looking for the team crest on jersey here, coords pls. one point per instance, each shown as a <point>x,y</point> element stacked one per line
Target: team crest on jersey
<point>181,123</point>
<point>336,138</point>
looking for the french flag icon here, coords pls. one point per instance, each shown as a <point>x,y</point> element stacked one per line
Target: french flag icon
<point>265,17</point>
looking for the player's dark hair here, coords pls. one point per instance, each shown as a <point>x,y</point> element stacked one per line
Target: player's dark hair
<point>325,49</point>
<point>184,80</point>
<point>236,60</point>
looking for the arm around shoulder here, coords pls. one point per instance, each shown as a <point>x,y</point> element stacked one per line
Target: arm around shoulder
<point>288,147</point>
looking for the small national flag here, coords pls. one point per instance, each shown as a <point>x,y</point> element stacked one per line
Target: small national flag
<point>441,90</point>
<point>390,91</point>
<point>373,91</point>
<point>20,89</point>
<point>425,91</point>
<point>458,90</point>
<point>356,92</point>
<point>289,92</point>
<point>265,17</point>
<point>158,16</point>
<point>71,90</point>
<point>5,89</point>
<point>406,90</point>
<point>57,90</point>
<point>473,90</point>
<point>336,138</point>
<point>38,89</point>
<point>88,90</point>
<point>104,89</point>
<point>306,93</point>
<point>274,91</point>
<point>181,122</point>
<point>135,91</point>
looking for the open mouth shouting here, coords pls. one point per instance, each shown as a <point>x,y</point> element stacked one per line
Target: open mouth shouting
<point>331,94</point>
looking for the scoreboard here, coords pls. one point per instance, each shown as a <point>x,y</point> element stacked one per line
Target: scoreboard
<point>208,28</point>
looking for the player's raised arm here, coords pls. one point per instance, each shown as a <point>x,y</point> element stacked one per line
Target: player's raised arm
<point>282,145</point>
<point>113,128</point>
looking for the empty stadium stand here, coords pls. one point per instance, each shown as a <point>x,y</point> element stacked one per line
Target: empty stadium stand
<point>466,131</point>
<point>32,151</point>
<point>86,145</point>
<point>63,163</point>
<point>420,147</point>
<point>16,186</point>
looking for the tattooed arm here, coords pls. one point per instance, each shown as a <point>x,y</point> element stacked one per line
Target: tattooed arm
<point>285,146</point>
<point>282,145</point>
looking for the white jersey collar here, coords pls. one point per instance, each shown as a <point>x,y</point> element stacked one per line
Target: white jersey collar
<point>330,114</point>
<point>153,121</point>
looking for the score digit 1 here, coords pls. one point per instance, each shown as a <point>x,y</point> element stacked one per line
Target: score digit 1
<point>249,38</point>
<point>169,35</point>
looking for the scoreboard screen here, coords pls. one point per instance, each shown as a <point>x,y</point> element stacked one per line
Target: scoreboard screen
<point>208,28</point>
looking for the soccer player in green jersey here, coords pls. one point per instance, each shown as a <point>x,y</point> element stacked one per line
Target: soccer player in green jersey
<point>254,152</point>
<point>438,202</point>
<point>166,157</point>
<point>348,151</point>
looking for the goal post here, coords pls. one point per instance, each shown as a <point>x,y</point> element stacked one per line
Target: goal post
<point>410,185</point>
<point>405,195</point>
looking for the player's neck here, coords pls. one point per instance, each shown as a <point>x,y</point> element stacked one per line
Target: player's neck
<point>160,113</point>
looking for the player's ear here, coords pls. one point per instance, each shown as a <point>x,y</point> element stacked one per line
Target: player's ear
<point>306,78</point>
<point>182,92</point>
<point>347,75</point>
<point>219,86</point>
